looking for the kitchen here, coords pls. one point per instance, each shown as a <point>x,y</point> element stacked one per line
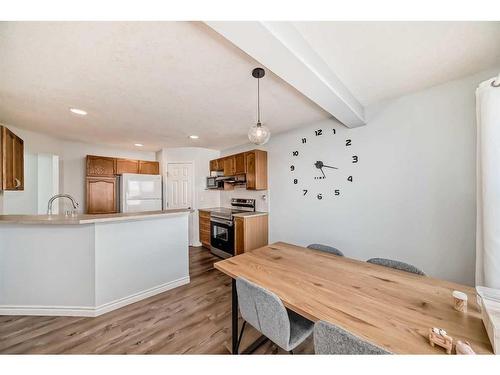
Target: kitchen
<point>145,206</point>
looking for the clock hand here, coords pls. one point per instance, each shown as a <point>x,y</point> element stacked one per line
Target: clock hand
<point>321,169</point>
<point>327,166</point>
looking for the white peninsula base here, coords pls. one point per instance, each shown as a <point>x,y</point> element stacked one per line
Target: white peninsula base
<point>89,267</point>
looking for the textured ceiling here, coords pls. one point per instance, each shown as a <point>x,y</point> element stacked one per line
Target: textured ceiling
<point>154,83</point>
<point>382,60</point>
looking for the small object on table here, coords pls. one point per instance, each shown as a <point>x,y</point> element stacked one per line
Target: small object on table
<point>438,336</point>
<point>463,347</point>
<point>460,301</point>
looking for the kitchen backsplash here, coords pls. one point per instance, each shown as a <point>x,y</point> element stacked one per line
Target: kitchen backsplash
<point>261,198</point>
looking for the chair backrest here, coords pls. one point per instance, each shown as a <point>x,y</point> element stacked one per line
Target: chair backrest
<point>264,311</point>
<point>326,248</point>
<point>396,264</point>
<point>331,339</point>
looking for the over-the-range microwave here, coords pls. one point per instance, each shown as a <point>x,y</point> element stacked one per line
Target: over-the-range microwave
<point>214,183</point>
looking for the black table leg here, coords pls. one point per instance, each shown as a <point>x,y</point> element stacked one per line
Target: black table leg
<point>234,317</point>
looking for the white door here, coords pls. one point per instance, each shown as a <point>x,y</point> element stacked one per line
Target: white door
<point>179,185</point>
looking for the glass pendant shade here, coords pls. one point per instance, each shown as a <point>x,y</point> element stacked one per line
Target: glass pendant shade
<point>259,134</point>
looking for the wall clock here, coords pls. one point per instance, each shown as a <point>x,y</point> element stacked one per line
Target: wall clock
<point>323,164</point>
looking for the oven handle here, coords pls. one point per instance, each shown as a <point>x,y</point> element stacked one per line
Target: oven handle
<point>221,221</point>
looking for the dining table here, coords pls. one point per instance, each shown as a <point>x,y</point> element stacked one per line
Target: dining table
<point>387,307</point>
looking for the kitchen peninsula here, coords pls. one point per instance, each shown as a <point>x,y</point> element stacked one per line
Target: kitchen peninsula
<point>87,265</point>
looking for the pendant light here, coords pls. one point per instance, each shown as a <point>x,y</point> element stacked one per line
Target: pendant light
<point>258,133</point>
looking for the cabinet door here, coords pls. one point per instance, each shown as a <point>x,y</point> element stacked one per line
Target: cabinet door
<point>12,161</point>
<point>239,235</point>
<point>239,163</point>
<point>101,195</point>
<point>229,166</point>
<point>213,165</point>
<point>250,169</point>
<point>149,167</point>
<point>100,166</point>
<point>127,166</point>
<point>205,228</point>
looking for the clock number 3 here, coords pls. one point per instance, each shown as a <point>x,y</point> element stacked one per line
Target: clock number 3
<point>354,159</point>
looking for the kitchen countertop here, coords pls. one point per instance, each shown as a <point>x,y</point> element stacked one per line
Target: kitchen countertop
<point>85,218</point>
<point>241,214</point>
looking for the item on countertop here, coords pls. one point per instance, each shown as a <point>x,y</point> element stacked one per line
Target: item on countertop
<point>438,336</point>
<point>463,347</point>
<point>460,299</point>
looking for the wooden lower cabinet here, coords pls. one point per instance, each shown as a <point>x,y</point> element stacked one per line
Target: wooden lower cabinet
<point>101,195</point>
<point>205,228</point>
<point>250,233</point>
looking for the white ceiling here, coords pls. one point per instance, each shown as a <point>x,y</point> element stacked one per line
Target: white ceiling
<point>156,83</point>
<point>381,60</point>
<point>151,83</point>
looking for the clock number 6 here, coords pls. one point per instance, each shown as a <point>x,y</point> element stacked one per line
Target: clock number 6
<point>319,196</point>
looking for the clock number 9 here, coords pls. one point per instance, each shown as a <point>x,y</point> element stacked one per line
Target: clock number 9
<point>295,153</point>
<point>292,168</point>
<point>354,159</point>
<point>319,196</point>
<point>295,181</point>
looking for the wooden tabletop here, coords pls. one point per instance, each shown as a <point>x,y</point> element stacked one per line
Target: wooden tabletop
<point>390,308</point>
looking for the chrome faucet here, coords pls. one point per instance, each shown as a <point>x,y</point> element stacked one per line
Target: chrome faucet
<point>51,200</point>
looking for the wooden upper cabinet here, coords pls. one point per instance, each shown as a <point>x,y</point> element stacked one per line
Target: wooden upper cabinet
<point>149,167</point>
<point>217,165</point>
<point>229,166</point>
<point>127,166</point>
<point>12,160</point>
<point>101,166</point>
<point>239,163</point>
<point>256,169</point>
<point>101,195</point>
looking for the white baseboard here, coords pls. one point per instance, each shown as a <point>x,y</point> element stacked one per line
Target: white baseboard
<point>196,244</point>
<point>87,311</point>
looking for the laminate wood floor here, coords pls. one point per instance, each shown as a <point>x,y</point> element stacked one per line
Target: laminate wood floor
<point>191,319</point>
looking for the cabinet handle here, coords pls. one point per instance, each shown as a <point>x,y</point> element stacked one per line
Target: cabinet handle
<point>17,183</point>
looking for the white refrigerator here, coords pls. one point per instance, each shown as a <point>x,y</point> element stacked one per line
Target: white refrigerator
<point>140,192</point>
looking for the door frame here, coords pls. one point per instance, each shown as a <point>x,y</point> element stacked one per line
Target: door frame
<point>193,238</point>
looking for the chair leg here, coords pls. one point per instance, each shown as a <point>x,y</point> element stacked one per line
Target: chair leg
<point>241,335</point>
<point>291,352</point>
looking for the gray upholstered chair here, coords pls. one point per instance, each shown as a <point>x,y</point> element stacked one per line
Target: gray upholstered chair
<point>264,311</point>
<point>326,249</point>
<point>331,339</point>
<point>396,264</point>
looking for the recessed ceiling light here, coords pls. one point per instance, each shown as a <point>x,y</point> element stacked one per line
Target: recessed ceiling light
<point>138,144</point>
<point>194,137</point>
<point>79,112</point>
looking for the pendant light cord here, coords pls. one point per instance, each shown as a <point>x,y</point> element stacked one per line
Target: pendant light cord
<point>258,101</point>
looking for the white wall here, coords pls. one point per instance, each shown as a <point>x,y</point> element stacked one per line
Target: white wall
<point>413,195</point>
<point>71,169</point>
<point>203,198</point>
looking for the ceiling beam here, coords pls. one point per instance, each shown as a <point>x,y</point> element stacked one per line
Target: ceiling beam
<point>282,49</point>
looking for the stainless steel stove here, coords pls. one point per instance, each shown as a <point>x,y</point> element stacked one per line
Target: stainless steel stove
<point>222,226</point>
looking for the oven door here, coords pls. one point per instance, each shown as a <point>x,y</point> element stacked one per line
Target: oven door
<point>222,237</point>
